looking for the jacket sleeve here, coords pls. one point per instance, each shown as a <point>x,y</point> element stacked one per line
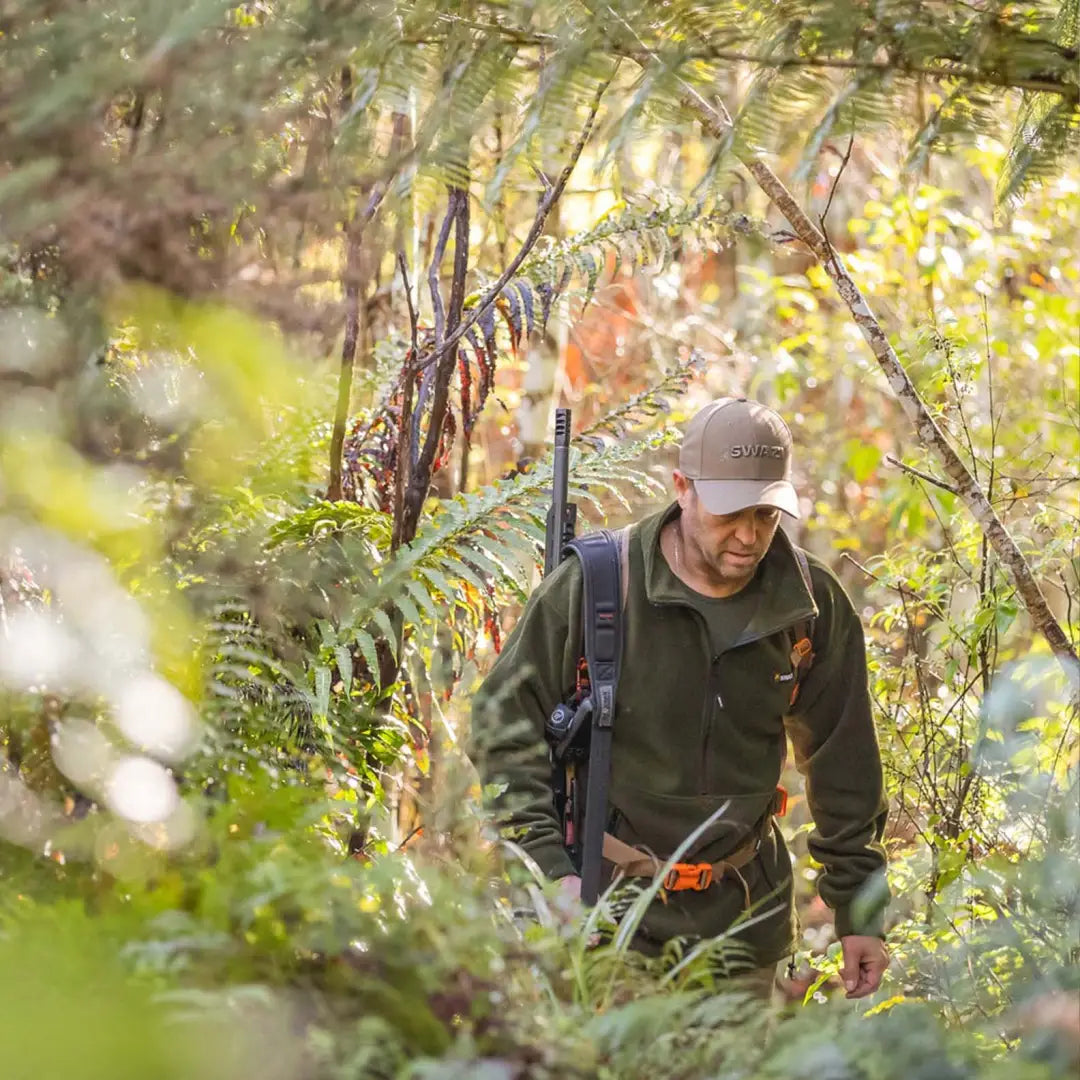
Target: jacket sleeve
<point>836,750</point>
<point>533,673</point>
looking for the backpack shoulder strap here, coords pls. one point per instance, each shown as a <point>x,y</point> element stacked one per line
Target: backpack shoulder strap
<point>802,651</point>
<point>602,605</point>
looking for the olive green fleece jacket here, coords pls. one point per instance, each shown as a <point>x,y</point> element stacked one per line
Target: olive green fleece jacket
<point>702,715</point>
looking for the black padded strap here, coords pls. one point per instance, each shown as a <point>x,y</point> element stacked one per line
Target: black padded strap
<point>602,616</point>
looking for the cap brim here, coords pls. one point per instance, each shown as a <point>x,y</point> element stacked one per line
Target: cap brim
<point>731,496</point>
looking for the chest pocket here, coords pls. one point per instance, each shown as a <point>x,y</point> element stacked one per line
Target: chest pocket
<point>787,658</point>
<point>754,683</point>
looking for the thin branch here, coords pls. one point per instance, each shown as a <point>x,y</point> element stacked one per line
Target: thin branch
<point>439,376</point>
<point>832,190</point>
<point>1043,85</point>
<point>905,592</point>
<point>414,319</point>
<point>445,369</point>
<point>434,271</point>
<point>461,261</point>
<point>542,176</point>
<point>435,268</point>
<point>890,460</point>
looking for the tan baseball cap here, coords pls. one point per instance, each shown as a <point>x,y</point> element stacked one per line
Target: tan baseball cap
<point>738,453</point>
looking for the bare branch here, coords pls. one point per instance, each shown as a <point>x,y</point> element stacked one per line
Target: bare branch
<point>832,190</point>
<point>444,370</point>
<point>434,269</point>
<point>434,273</point>
<point>414,319</point>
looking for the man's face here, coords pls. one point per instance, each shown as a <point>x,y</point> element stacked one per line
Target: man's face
<point>729,545</point>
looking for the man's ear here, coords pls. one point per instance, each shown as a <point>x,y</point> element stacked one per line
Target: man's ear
<point>684,488</point>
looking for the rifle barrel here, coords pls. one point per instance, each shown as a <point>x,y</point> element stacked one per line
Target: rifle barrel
<point>559,492</point>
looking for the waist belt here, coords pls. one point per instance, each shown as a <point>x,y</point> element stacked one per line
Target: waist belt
<point>634,862</point>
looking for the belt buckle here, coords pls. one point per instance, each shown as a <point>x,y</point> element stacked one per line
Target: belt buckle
<point>688,876</point>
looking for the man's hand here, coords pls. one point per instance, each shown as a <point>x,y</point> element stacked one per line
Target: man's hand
<point>568,899</point>
<point>570,886</point>
<point>865,961</point>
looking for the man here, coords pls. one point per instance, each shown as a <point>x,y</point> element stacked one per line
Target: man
<point>716,597</point>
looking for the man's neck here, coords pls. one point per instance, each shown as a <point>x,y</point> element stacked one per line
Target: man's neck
<point>688,566</point>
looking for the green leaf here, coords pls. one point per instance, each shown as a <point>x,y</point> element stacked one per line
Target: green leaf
<point>422,597</point>
<point>382,621</point>
<point>344,665</point>
<point>366,644</point>
<point>408,609</point>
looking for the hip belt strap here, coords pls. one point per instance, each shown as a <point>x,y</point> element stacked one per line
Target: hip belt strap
<point>633,862</point>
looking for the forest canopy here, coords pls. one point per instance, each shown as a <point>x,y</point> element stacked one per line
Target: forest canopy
<point>288,295</point>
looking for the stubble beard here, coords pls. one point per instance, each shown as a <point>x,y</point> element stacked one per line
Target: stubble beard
<point>718,570</point>
<point>733,574</point>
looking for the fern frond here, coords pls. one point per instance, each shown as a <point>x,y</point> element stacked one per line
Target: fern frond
<point>1047,131</point>
<point>642,237</point>
<point>637,237</point>
<point>1047,134</point>
<point>510,513</point>
<point>646,405</point>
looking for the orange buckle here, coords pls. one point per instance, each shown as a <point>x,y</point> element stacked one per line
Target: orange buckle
<point>682,876</point>
<point>779,803</point>
<point>801,649</point>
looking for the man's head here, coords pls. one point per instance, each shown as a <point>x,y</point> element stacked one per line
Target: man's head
<point>733,481</point>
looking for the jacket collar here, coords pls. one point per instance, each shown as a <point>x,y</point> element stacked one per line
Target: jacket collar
<point>785,599</point>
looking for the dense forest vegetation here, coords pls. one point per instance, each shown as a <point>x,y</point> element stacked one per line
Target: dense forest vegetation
<point>288,293</point>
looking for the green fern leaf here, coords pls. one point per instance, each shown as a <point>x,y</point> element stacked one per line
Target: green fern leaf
<point>344,665</point>
<point>366,644</point>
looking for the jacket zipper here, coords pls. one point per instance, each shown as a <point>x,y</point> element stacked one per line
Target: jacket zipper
<point>713,683</point>
<point>712,690</point>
